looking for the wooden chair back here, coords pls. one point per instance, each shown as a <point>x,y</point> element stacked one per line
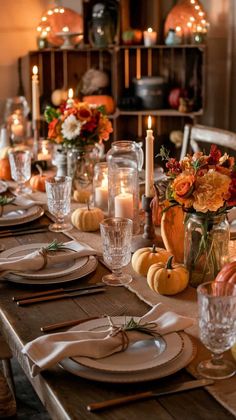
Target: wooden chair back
<point>199,137</point>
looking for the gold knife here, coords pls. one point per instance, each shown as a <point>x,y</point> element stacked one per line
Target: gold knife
<point>184,386</point>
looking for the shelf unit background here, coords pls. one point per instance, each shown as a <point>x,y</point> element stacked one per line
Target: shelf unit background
<point>181,66</point>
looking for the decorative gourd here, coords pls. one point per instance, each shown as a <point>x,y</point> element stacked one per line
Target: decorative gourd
<point>143,258</point>
<point>105,100</point>
<point>227,273</point>
<point>58,96</point>
<point>37,182</point>
<point>87,219</point>
<point>172,232</point>
<point>167,279</point>
<point>81,196</point>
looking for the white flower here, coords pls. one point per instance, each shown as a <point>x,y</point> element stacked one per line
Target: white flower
<point>71,127</point>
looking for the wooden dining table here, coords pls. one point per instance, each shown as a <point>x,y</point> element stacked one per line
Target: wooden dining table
<point>66,396</point>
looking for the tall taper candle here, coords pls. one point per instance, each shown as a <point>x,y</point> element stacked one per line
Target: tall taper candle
<point>149,161</point>
<point>35,97</point>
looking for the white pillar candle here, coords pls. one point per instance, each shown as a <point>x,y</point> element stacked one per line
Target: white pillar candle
<point>124,205</point>
<point>70,100</point>
<point>149,37</point>
<point>101,197</point>
<point>35,96</point>
<point>149,161</point>
<point>101,194</point>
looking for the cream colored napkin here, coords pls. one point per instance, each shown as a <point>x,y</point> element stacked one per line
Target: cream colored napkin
<point>34,261</point>
<point>48,350</point>
<point>20,203</point>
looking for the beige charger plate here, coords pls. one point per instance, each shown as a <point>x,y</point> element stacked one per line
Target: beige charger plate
<point>18,217</point>
<point>185,357</point>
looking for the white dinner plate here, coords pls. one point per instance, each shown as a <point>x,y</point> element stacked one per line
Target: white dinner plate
<point>87,268</point>
<point>185,357</point>
<point>57,270</point>
<point>146,353</point>
<point>18,217</point>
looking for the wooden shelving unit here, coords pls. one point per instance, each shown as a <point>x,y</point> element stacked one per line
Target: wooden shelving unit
<point>181,65</point>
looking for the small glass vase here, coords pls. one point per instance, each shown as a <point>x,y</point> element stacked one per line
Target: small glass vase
<point>206,246</point>
<point>80,167</point>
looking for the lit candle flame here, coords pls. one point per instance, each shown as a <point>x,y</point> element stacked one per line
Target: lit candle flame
<point>35,70</point>
<point>149,30</point>
<point>149,122</point>
<point>70,93</point>
<point>65,29</point>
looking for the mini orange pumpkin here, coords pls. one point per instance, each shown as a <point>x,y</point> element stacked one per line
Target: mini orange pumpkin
<point>37,182</point>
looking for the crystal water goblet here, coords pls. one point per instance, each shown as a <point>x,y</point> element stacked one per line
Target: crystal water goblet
<point>217,325</point>
<point>116,233</point>
<point>20,163</point>
<point>58,190</point>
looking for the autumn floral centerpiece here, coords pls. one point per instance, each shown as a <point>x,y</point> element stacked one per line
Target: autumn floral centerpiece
<point>205,187</point>
<point>77,125</point>
<point>79,128</point>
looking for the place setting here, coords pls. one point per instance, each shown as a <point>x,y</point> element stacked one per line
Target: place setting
<point>128,349</point>
<point>47,264</point>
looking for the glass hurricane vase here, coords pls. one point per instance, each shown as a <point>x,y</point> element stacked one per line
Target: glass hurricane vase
<point>206,246</point>
<point>80,167</point>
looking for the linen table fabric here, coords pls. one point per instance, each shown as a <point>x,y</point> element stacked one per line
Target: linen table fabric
<point>34,261</point>
<point>48,350</point>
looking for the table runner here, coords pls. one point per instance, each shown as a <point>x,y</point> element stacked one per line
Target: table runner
<point>185,303</point>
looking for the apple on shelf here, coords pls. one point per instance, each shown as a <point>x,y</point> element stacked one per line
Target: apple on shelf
<point>132,37</point>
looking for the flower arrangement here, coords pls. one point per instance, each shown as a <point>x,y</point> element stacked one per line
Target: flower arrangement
<point>205,187</point>
<point>202,183</point>
<point>77,125</point>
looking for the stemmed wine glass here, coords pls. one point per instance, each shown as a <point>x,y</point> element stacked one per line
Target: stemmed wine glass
<point>20,163</point>
<point>116,235</point>
<point>58,191</point>
<point>217,324</point>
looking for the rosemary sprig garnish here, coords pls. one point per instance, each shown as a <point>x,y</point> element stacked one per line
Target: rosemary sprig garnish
<point>55,246</point>
<point>147,328</point>
<point>4,200</point>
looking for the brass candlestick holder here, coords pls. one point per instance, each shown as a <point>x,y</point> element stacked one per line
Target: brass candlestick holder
<point>148,238</point>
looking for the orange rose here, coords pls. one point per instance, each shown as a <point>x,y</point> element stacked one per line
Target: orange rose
<point>183,185</point>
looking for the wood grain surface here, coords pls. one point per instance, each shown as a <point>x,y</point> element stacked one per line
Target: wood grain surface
<point>66,396</point>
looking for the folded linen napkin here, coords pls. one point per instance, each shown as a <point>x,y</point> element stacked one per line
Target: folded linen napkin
<point>19,203</point>
<point>36,260</point>
<point>48,350</point>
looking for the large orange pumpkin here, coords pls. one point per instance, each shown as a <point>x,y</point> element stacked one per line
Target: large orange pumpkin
<point>105,100</point>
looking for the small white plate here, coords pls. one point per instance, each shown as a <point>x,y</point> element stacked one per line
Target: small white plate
<point>185,357</point>
<point>144,354</point>
<point>18,217</point>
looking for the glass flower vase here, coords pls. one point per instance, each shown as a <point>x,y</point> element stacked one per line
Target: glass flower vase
<point>206,246</point>
<point>80,167</point>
